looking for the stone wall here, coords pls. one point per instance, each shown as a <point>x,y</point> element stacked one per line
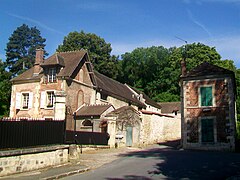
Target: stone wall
<point>17,161</point>
<point>155,129</point>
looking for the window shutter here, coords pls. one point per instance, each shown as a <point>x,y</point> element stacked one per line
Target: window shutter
<point>203,96</point>
<point>30,100</point>
<point>43,100</point>
<point>206,96</point>
<point>18,100</point>
<point>209,96</point>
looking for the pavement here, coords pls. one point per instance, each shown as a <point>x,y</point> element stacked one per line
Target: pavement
<point>88,160</point>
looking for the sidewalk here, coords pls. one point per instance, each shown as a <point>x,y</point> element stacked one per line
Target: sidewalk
<point>89,160</point>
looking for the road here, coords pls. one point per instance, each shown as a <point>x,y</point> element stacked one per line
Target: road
<point>163,162</point>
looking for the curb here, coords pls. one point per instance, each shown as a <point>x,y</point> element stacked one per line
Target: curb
<point>67,174</point>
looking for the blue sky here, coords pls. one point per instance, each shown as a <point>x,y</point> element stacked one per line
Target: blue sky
<point>128,24</point>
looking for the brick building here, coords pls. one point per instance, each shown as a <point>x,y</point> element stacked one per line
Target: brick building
<point>208,108</point>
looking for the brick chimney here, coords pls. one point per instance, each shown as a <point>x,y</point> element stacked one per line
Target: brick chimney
<point>38,61</point>
<point>183,68</point>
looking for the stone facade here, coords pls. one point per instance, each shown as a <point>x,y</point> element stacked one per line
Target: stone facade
<point>220,114</point>
<point>59,86</point>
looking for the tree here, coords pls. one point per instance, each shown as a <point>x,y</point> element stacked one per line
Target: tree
<point>99,51</point>
<point>20,51</point>
<point>148,70</point>
<point>5,90</point>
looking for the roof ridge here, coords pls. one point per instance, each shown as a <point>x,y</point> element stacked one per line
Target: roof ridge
<point>71,51</point>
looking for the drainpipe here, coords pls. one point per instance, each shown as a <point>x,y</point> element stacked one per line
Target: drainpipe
<point>75,126</point>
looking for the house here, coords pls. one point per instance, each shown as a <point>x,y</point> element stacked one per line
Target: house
<point>65,86</point>
<point>208,108</point>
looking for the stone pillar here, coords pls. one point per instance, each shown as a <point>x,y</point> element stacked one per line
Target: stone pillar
<point>112,132</point>
<point>60,105</point>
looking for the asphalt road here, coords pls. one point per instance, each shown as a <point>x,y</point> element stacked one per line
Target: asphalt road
<point>162,162</point>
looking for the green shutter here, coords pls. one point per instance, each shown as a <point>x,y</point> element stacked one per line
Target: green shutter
<point>206,96</point>
<point>207,130</point>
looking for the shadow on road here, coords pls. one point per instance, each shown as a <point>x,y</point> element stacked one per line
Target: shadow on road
<point>178,164</point>
<point>130,177</point>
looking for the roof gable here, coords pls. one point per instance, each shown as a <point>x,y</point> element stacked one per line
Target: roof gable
<point>206,68</point>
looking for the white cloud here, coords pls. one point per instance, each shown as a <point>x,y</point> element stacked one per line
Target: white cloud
<point>36,22</point>
<point>202,26</point>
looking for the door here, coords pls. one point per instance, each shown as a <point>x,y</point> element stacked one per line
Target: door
<point>207,126</point>
<point>129,136</point>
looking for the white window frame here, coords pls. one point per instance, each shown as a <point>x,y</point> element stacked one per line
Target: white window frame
<point>200,128</point>
<point>52,75</point>
<point>22,103</point>
<point>44,99</point>
<point>213,96</point>
<point>52,99</point>
<point>25,100</point>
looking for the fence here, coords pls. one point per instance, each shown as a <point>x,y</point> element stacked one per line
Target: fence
<point>25,133</point>
<point>87,138</point>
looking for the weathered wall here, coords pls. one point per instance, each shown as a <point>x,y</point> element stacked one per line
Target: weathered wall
<point>223,111</point>
<point>155,129</point>
<point>77,95</point>
<point>33,87</point>
<point>37,160</point>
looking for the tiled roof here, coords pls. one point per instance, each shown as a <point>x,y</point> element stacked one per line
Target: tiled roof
<point>120,110</point>
<point>27,75</point>
<point>169,107</point>
<point>207,69</point>
<point>116,89</point>
<point>68,60</point>
<point>55,59</point>
<point>92,110</point>
<point>148,100</point>
<point>71,60</point>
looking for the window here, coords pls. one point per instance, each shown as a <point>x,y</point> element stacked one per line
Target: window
<point>51,75</point>
<point>206,96</point>
<point>50,99</point>
<point>207,130</point>
<point>104,96</point>
<point>25,100</point>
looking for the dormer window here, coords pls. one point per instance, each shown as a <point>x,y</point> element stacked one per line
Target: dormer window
<point>51,75</point>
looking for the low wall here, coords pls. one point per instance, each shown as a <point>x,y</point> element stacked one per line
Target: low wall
<point>22,160</point>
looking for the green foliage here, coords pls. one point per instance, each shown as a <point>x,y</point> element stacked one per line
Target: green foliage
<point>149,69</point>
<point>99,51</point>
<point>166,97</point>
<point>20,51</point>
<point>5,90</point>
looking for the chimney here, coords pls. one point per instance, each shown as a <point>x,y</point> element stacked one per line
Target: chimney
<point>183,68</point>
<point>38,61</point>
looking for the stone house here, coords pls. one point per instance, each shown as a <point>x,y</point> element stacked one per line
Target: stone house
<point>65,84</point>
<point>208,95</point>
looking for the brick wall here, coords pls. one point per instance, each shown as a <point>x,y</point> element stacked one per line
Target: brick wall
<point>220,111</point>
